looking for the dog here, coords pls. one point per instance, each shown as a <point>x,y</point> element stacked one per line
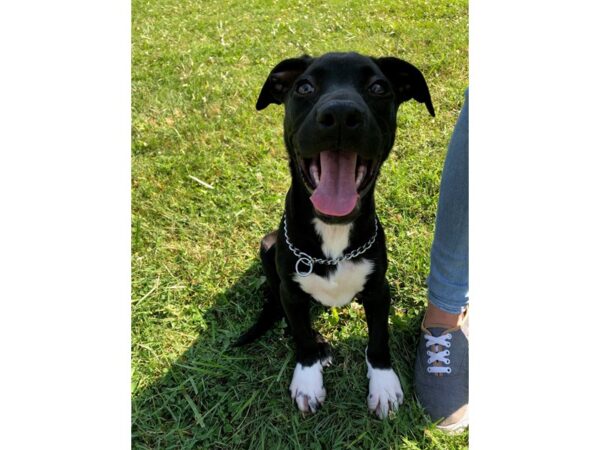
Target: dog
<point>339,128</point>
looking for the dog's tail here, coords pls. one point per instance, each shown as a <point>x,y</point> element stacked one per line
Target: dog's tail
<point>272,311</point>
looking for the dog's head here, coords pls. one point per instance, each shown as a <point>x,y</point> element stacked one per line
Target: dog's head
<point>340,122</point>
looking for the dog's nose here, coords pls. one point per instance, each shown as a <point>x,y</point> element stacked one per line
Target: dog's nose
<point>340,113</point>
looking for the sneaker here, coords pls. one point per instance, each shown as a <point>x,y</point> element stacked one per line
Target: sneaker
<point>442,375</point>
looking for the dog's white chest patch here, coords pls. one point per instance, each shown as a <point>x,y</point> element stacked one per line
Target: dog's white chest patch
<point>335,237</point>
<point>340,287</point>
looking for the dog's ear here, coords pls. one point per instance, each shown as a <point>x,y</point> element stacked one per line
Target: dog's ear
<point>280,80</point>
<point>408,81</point>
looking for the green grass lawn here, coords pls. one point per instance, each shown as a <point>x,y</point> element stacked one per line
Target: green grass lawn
<point>209,179</point>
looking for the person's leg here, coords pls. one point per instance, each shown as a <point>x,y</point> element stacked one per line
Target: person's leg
<point>441,372</point>
<point>449,274</point>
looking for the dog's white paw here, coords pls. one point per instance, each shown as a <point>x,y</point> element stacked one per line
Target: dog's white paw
<point>307,386</point>
<point>385,392</point>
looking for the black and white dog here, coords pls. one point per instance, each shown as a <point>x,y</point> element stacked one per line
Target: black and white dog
<point>339,127</point>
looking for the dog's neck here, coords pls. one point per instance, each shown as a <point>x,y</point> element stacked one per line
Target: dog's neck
<point>309,231</point>
<point>334,238</point>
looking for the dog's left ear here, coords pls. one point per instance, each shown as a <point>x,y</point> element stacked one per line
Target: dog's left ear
<point>280,80</point>
<point>408,81</point>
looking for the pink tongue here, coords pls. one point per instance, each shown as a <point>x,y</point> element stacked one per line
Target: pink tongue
<point>336,193</point>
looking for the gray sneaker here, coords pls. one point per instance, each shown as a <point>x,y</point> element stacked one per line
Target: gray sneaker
<point>442,375</point>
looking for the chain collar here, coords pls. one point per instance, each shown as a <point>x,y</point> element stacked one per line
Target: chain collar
<point>309,261</point>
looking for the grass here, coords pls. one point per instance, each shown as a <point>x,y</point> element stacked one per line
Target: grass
<point>209,179</point>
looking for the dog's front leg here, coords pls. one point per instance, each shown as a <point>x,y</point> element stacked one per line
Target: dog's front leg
<point>312,351</point>
<point>385,392</point>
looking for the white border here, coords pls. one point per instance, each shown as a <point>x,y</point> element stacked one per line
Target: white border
<point>534,224</point>
<point>64,243</point>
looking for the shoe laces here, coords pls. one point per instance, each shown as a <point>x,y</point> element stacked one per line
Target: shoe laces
<point>438,356</point>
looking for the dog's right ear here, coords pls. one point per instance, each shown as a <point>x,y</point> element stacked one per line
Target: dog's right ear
<point>280,80</point>
<point>408,81</point>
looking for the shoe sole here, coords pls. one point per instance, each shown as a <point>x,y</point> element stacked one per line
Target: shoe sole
<point>455,428</point>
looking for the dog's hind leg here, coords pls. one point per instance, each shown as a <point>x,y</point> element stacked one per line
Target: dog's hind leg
<point>272,310</point>
<point>267,257</point>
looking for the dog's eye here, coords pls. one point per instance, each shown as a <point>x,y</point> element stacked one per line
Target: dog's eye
<point>305,88</point>
<point>378,88</point>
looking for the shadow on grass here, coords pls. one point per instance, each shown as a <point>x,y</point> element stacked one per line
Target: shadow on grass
<point>217,397</point>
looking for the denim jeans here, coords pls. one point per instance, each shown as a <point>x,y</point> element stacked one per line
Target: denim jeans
<point>448,279</point>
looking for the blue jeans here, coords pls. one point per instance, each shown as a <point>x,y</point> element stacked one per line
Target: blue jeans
<point>448,279</point>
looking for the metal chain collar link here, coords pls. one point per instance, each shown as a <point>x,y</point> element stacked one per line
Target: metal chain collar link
<point>309,261</point>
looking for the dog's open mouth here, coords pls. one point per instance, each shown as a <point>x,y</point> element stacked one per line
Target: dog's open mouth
<point>336,180</point>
